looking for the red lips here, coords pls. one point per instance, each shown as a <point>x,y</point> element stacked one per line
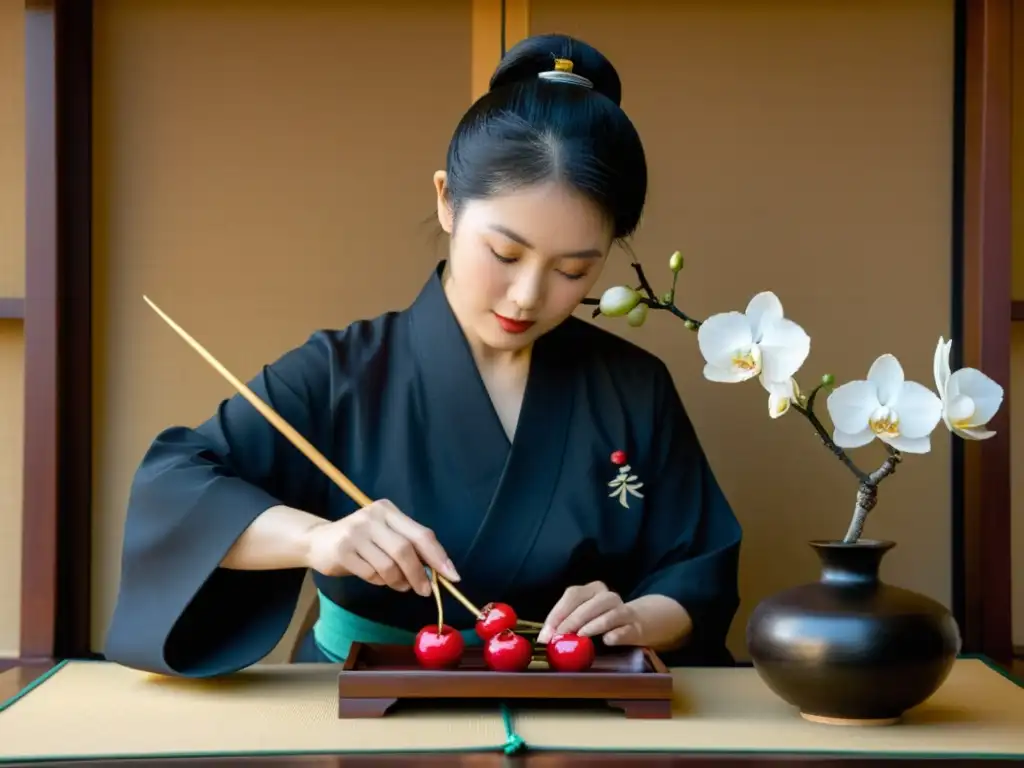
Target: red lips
<point>513,326</point>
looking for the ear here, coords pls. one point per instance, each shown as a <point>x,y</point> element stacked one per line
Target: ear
<point>444,210</point>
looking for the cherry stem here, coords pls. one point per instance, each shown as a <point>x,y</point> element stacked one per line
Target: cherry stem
<point>477,613</point>
<point>437,599</point>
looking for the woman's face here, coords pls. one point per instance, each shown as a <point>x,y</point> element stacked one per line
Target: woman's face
<point>521,263</point>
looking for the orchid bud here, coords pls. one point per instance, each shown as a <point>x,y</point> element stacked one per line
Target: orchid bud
<point>666,298</point>
<point>675,262</point>
<point>828,380</point>
<point>690,325</point>
<point>618,301</point>
<point>637,315</point>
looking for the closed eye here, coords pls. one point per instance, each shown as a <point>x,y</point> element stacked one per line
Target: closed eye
<point>499,257</point>
<point>512,260</point>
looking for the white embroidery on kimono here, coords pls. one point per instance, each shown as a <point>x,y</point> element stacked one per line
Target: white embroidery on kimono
<point>625,485</point>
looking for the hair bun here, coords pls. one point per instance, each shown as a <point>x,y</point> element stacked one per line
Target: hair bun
<point>537,54</point>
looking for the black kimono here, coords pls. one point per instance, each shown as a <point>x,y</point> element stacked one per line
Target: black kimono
<point>397,404</point>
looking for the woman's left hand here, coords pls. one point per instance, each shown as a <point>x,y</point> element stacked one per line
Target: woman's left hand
<point>592,609</point>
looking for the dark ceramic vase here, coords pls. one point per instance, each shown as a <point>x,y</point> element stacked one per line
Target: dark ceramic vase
<point>850,649</point>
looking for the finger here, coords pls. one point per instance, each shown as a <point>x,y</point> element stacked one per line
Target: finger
<point>405,556</point>
<point>384,566</point>
<point>592,609</point>
<point>571,599</point>
<point>629,634</point>
<point>423,539</point>
<point>566,605</point>
<point>360,568</point>
<point>613,619</point>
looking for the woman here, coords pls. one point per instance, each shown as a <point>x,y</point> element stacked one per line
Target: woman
<point>497,432</point>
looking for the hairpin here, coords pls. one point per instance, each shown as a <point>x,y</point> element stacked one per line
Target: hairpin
<point>562,73</point>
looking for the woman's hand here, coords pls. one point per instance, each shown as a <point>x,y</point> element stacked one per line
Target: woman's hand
<point>655,621</point>
<point>593,609</point>
<point>380,545</point>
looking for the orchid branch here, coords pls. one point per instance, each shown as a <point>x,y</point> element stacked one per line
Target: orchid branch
<point>667,303</point>
<point>867,495</point>
<point>774,350</point>
<point>806,409</point>
<point>646,297</point>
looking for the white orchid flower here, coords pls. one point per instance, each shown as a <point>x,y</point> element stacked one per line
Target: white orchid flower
<point>759,342</point>
<point>781,395</point>
<point>969,398</point>
<point>898,412</point>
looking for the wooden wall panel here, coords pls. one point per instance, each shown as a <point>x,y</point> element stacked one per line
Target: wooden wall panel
<point>12,148</point>
<point>12,291</point>
<point>12,350</point>
<point>1016,390</point>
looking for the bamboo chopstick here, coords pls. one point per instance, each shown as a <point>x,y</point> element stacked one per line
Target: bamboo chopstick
<point>307,448</point>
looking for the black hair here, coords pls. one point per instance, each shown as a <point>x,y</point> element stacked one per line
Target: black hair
<point>526,130</point>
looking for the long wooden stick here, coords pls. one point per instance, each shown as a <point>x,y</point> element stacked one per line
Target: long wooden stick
<point>437,599</point>
<point>531,624</point>
<point>286,429</point>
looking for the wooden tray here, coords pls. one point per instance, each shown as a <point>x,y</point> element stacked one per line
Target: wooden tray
<point>376,677</point>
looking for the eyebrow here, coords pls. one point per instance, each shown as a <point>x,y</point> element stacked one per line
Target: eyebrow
<point>590,253</point>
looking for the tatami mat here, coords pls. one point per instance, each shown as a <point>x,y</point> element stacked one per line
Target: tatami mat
<point>94,709</point>
<point>977,712</point>
<point>90,709</point>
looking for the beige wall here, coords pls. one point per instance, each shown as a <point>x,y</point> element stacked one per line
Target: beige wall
<point>231,152</point>
<point>1017,482</point>
<point>12,285</point>
<point>1017,341</point>
<point>258,175</point>
<point>11,392</point>
<point>802,149</point>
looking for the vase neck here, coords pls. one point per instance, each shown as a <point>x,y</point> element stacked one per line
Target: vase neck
<point>851,564</point>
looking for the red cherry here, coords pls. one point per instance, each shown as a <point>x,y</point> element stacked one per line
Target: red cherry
<point>439,650</point>
<point>507,652</point>
<point>495,618</point>
<point>619,458</point>
<point>570,652</point>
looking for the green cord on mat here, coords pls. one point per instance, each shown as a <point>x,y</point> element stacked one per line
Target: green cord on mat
<point>513,741</point>
<point>33,685</point>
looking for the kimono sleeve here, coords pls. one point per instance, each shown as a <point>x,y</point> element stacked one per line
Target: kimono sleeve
<point>196,491</point>
<point>691,538</point>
